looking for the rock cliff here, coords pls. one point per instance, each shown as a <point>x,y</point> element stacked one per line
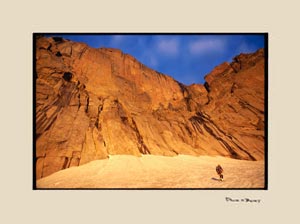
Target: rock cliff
<point>92,103</point>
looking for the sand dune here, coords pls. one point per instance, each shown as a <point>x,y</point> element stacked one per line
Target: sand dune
<point>149,171</point>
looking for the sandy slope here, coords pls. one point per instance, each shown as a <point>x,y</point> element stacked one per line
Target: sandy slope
<point>122,171</point>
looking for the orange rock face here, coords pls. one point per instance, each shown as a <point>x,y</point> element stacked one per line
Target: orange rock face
<point>92,103</point>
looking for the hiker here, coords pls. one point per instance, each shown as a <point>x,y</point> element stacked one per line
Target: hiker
<point>219,170</point>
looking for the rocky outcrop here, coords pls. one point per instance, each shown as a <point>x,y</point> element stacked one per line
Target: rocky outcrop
<point>92,103</point>
<point>236,103</point>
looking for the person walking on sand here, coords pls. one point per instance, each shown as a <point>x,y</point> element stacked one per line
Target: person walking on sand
<point>219,170</point>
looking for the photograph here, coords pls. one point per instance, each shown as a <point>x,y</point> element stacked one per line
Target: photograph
<point>150,111</point>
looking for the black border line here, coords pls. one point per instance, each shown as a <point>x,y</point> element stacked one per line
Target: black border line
<point>266,112</point>
<point>150,33</point>
<point>266,104</point>
<point>34,111</point>
<point>147,189</point>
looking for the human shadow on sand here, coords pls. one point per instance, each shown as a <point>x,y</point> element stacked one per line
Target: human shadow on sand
<point>216,179</point>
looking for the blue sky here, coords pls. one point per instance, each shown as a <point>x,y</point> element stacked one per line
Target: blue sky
<point>187,58</point>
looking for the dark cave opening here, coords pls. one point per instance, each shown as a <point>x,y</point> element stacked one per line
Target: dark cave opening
<point>67,76</point>
<point>58,54</point>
